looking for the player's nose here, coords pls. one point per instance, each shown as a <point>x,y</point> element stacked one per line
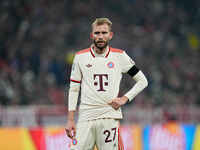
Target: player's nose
<point>100,35</point>
<point>100,38</point>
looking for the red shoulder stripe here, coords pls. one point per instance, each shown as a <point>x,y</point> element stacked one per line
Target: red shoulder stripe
<point>116,50</point>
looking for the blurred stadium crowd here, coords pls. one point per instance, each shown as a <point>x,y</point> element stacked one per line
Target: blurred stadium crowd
<point>38,39</point>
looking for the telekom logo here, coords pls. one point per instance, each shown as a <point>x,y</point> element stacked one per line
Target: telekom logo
<point>101,83</point>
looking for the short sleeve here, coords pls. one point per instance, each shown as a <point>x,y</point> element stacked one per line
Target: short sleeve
<point>76,74</point>
<point>126,62</point>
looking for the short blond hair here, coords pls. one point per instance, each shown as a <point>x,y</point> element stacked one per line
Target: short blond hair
<point>101,21</point>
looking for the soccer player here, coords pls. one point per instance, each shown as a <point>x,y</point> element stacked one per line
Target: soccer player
<point>97,71</point>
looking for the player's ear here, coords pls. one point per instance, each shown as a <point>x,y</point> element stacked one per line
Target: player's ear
<point>91,35</point>
<point>111,35</point>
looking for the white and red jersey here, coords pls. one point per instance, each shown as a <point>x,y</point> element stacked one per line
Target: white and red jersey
<point>99,76</point>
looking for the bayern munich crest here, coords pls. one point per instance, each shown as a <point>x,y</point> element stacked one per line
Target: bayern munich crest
<point>110,64</point>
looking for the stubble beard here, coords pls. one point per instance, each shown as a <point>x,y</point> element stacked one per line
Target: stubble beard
<point>101,48</point>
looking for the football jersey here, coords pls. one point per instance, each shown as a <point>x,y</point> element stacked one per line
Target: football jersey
<point>99,76</point>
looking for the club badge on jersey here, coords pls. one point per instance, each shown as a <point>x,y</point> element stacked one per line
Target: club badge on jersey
<point>110,65</point>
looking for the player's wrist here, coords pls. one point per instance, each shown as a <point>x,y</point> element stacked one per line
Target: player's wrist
<point>71,120</point>
<point>125,99</point>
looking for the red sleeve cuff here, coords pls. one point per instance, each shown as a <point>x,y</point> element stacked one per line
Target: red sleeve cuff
<point>75,81</point>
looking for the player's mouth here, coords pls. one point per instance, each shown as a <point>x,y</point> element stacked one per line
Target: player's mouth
<point>100,42</point>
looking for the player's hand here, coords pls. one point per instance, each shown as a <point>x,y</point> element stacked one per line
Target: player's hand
<point>118,102</point>
<point>70,129</point>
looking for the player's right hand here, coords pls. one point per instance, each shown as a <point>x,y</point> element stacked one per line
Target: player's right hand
<point>71,129</point>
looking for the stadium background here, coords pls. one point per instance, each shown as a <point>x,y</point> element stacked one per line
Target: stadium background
<point>38,39</point>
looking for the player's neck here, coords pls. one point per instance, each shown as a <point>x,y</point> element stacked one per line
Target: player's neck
<point>98,50</point>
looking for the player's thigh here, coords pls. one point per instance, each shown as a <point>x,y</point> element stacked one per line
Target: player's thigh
<point>107,134</point>
<point>85,139</point>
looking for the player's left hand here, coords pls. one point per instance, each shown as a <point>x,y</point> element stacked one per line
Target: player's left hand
<point>118,102</point>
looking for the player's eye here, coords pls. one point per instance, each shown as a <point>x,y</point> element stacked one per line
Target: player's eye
<point>104,32</point>
<point>96,32</point>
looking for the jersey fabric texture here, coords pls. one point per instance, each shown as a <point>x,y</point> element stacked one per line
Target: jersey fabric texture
<point>99,76</point>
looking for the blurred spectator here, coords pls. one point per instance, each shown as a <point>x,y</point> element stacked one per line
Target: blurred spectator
<point>38,40</point>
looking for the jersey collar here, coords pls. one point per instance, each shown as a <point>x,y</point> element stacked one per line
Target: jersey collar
<point>105,54</point>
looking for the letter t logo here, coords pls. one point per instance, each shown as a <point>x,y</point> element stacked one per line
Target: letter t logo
<point>100,82</point>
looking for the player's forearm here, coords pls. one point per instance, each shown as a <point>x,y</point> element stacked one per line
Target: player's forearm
<point>70,116</point>
<point>73,96</point>
<point>141,83</point>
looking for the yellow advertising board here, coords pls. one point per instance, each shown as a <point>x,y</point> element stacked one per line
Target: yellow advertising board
<point>15,139</point>
<point>196,145</point>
